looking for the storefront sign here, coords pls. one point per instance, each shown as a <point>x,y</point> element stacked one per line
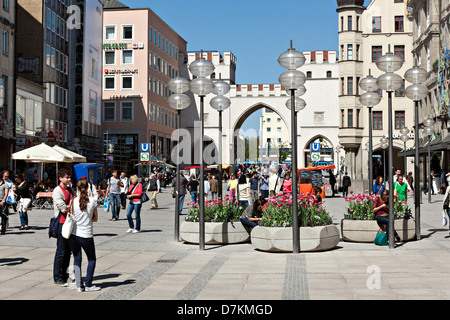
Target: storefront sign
<point>121,71</point>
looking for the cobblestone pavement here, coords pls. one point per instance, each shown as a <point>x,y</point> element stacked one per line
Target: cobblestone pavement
<point>150,265</point>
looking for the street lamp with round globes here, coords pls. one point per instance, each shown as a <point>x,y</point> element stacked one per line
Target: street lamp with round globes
<point>178,101</point>
<point>416,92</point>
<point>293,80</point>
<point>389,81</point>
<point>404,137</point>
<point>220,103</point>
<point>201,86</point>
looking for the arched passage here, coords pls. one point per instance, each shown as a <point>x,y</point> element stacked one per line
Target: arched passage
<point>319,151</point>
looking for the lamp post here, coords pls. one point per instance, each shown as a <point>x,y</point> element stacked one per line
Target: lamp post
<point>292,80</point>
<point>220,103</point>
<point>201,86</point>
<point>389,81</point>
<point>384,145</point>
<point>416,92</point>
<point>179,101</point>
<point>429,131</point>
<point>370,99</point>
<point>404,137</point>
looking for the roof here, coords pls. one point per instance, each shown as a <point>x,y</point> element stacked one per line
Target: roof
<point>113,4</point>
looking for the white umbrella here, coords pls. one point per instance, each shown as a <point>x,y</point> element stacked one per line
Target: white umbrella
<point>41,153</point>
<point>74,156</point>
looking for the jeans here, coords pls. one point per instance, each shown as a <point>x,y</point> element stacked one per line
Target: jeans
<point>137,211</point>
<point>62,258</point>
<point>4,212</point>
<point>243,203</point>
<point>76,243</point>
<point>181,199</point>
<point>345,191</point>
<point>114,199</point>
<point>385,220</point>
<point>248,223</point>
<point>265,193</point>
<point>194,196</point>
<point>23,215</point>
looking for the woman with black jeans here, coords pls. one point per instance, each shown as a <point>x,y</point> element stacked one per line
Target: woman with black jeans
<point>381,208</point>
<point>84,213</point>
<point>253,213</point>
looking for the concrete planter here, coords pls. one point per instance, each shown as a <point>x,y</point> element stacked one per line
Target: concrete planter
<point>215,232</point>
<point>366,230</point>
<point>277,239</point>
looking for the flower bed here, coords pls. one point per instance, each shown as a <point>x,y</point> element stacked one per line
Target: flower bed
<point>275,233</point>
<point>222,225</point>
<point>359,224</point>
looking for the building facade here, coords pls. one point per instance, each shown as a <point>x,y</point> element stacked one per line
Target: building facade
<point>365,34</point>
<point>141,53</point>
<point>7,96</point>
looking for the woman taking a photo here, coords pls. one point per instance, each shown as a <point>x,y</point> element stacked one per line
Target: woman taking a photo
<point>134,194</point>
<point>381,209</point>
<point>84,214</point>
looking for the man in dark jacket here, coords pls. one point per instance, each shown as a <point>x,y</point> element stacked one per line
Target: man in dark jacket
<point>346,182</point>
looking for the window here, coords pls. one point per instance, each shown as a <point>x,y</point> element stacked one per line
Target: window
<point>53,57</point>
<point>110,58</point>
<point>53,21</point>
<point>401,91</point>
<point>48,55</point>
<point>376,24</point>
<point>400,51</point>
<point>377,119</point>
<point>278,129</point>
<point>109,111</point>
<point>5,42</point>
<point>398,24</point>
<point>349,52</point>
<point>342,23</point>
<point>278,119</point>
<point>6,5</point>
<point>349,24</point>
<point>309,74</point>
<point>350,85</point>
<point>377,51</point>
<point>127,82</point>
<point>127,32</point>
<point>269,129</point>
<point>110,83</point>
<point>269,119</point>
<point>126,111</point>
<point>342,117</point>
<point>127,57</point>
<point>399,119</point>
<point>49,19</point>
<point>329,74</point>
<point>110,33</point>
<point>350,118</point>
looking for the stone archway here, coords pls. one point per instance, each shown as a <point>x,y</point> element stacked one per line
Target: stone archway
<point>326,152</point>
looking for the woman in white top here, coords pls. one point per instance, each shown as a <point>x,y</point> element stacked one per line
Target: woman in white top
<point>84,214</point>
<point>243,191</point>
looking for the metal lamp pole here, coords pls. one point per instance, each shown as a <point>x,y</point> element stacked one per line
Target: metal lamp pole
<point>292,80</point>
<point>390,82</point>
<point>416,92</point>
<point>429,131</point>
<point>201,86</point>
<point>179,101</point>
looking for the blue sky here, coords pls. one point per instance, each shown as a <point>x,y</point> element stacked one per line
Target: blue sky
<point>255,31</point>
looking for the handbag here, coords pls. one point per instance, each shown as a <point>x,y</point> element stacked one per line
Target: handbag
<point>144,197</point>
<point>11,199</point>
<point>67,227</point>
<point>446,202</point>
<point>381,239</point>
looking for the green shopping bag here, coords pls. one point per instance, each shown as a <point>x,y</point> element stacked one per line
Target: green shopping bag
<point>381,239</point>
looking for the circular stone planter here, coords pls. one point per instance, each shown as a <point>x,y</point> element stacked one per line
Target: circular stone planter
<point>215,232</point>
<point>278,239</point>
<point>366,230</point>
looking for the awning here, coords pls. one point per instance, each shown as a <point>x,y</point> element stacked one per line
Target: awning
<point>41,153</point>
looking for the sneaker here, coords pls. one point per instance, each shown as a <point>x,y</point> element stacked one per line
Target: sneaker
<point>92,288</point>
<point>129,230</point>
<point>80,289</point>
<point>61,283</point>
<point>135,231</point>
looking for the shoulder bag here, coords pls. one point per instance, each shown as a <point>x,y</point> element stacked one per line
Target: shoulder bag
<point>381,239</point>
<point>67,227</point>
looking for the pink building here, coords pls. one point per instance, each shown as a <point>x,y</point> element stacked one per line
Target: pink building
<point>141,53</point>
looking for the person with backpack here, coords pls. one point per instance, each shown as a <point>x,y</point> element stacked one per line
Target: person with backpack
<point>113,190</point>
<point>62,198</point>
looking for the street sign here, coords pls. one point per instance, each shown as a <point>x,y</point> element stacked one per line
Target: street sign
<point>315,147</point>
<point>145,156</point>
<point>145,147</point>
<point>315,156</point>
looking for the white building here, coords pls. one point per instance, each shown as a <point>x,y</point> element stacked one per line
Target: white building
<point>318,122</point>
<point>365,34</point>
